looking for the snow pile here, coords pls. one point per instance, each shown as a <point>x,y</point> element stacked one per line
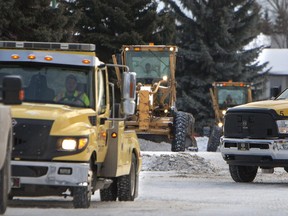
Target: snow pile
<point>180,162</point>
<point>158,157</point>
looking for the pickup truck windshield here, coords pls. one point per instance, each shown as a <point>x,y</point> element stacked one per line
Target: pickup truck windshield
<point>59,84</point>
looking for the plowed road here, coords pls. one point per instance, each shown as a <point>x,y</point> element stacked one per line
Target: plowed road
<point>174,193</point>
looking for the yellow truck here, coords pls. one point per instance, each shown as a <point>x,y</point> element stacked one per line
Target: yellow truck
<point>67,142</point>
<point>225,95</point>
<point>256,136</point>
<point>157,117</point>
<point>10,95</point>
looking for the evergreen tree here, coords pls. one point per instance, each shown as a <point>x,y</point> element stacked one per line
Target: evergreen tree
<point>35,20</point>
<point>212,36</point>
<point>109,24</point>
<point>266,26</point>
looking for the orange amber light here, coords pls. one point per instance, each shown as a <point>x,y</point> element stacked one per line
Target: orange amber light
<point>21,95</point>
<point>48,58</point>
<point>103,134</point>
<point>86,61</point>
<point>114,135</point>
<point>32,57</point>
<point>15,56</point>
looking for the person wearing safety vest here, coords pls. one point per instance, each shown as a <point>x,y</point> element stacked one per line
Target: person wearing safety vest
<point>72,95</point>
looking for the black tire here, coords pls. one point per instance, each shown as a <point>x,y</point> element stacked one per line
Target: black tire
<point>214,139</point>
<point>286,169</point>
<point>110,193</point>
<point>82,195</point>
<point>127,184</point>
<point>243,173</point>
<point>180,126</point>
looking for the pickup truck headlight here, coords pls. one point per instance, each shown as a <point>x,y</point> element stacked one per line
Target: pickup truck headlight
<point>282,126</point>
<point>72,144</point>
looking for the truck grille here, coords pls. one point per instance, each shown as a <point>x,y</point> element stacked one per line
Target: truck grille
<point>258,125</point>
<point>32,140</point>
<point>229,144</point>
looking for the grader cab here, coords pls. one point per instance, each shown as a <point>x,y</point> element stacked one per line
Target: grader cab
<point>225,95</point>
<point>157,117</point>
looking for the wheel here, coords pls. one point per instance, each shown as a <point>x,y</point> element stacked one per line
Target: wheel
<point>243,173</point>
<point>180,126</point>
<point>110,193</point>
<point>214,139</point>
<point>286,169</point>
<point>4,185</point>
<point>82,195</point>
<point>127,184</point>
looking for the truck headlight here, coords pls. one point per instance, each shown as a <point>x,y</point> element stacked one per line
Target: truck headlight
<point>281,144</point>
<point>69,144</point>
<point>72,144</point>
<point>282,126</point>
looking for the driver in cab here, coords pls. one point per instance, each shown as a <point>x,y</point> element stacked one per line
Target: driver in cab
<point>149,72</point>
<point>72,95</point>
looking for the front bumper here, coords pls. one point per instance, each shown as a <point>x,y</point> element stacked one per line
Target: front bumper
<point>255,152</point>
<point>52,173</point>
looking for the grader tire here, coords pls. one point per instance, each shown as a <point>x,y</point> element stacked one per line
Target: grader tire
<point>180,132</point>
<point>214,139</point>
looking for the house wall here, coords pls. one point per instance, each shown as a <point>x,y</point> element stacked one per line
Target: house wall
<point>274,81</point>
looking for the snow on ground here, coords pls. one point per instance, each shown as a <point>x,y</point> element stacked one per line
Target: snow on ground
<point>158,157</point>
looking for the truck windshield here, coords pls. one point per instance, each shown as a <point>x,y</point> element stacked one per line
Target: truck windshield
<point>47,83</point>
<point>149,64</point>
<point>231,96</point>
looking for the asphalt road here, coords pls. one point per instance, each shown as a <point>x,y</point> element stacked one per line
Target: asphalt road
<point>174,193</point>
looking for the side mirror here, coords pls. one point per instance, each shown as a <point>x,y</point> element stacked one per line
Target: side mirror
<point>11,90</point>
<point>128,92</point>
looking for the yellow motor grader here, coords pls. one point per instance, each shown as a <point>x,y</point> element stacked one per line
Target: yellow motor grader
<point>157,117</point>
<point>225,95</point>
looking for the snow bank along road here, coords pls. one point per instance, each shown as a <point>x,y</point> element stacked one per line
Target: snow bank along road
<point>186,183</point>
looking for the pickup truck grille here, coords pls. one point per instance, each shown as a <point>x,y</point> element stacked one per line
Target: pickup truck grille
<point>32,140</point>
<point>229,144</point>
<point>244,124</point>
